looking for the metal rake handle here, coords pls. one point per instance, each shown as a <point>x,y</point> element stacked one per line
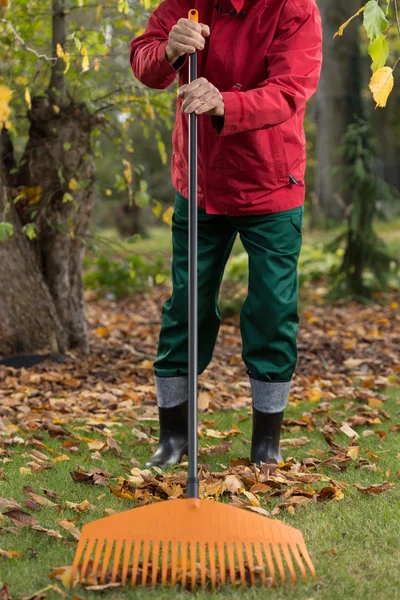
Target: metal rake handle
<point>193,481</point>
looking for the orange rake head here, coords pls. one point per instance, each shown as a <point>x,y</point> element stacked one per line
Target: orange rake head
<point>190,542</point>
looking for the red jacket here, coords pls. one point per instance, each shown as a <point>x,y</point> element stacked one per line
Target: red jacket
<point>265,58</point>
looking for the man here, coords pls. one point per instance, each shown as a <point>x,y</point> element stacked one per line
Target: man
<point>258,63</point>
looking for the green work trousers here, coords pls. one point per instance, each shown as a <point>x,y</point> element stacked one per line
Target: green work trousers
<point>269,317</point>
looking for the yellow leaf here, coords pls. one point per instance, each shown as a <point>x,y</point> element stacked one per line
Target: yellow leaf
<point>68,578</point>
<point>127,171</point>
<point>64,55</point>
<point>381,85</point>
<point>85,60</point>
<point>353,452</point>
<point>96,63</point>
<point>5,97</point>
<point>102,331</point>
<point>25,471</point>
<point>167,216</point>
<point>73,184</point>
<point>56,108</point>
<point>28,98</point>
<point>61,458</point>
<point>343,27</point>
<point>99,11</point>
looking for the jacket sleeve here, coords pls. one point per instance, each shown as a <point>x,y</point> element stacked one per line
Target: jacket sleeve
<point>147,52</point>
<point>293,68</point>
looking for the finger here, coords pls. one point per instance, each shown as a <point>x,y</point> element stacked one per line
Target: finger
<point>195,103</point>
<point>181,90</point>
<point>205,30</point>
<point>179,48</point>
<point>190,24</point>
<point>197,98</point>
<point>203,104</point>
<point>186,40</point>
<point>197,87</point>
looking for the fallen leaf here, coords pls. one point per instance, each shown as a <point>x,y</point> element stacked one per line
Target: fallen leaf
<point>70,527</point>
<point>375,488</point>
<point>20,518</point>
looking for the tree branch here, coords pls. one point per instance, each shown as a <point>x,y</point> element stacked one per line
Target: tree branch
<point>22,41</point>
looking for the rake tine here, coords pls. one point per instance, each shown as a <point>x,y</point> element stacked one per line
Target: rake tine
<point>221,561</point>
<point>279,562</point>
<point>289,562</point>
<point>270,563</point>
<point>203,562</point>
<point>213,571</point>
<point>174,563</point>
<point>193,563</point>
<point>307,558</point>
<point>164,567</point>
<point>231,563</point>
<point>88,554</point>
<point>117,555</point>
<point>78,556</point>
<point>154,560</point>
<point>239,552</point>
<point>184,551</point>
<point>135,563</point>
<point>125,566</point>
<point>146,552</point>
<point>299,562</point>
<point>250,561</point>
<point>260,562</point>
<point>97,556</point>
<point>106,560</point>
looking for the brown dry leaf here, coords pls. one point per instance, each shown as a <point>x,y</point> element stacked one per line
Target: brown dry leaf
<point>50,532</point>
<point>259,510</point>
<point>347,430</point>
<point>140,434</point>
<point>353,452</point>
<point>20,518</point>
<point>41,499</point>
<point>294,442</point>
<point>61,458</point>
<point>70,527</point>
<point>81,477</point>
<point>375,488</point>
<point>105,586</point>
<point>79,507</point>
<point>209,489</point>
<point>5,592</point>
<point>5,503</point>
<point>10,554</point>
<point>123,493</point>
<point>221,448</point>
<point>172,490</point>
<point>330,493</point>
<point>204,401</point>
<point>114,446</point>
<point>96,445</point>
<point>254,501</point>
<point>233,484</point>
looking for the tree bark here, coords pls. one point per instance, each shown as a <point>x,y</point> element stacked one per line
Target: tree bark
<point>28,316</point>
<point>57,81</point>
<point>334,103</point>
<point>58,159</point>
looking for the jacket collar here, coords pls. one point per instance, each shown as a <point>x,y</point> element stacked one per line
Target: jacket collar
<point>238,4</point>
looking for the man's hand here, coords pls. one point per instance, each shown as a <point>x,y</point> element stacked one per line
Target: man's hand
<point>201,97</point>
<point>185,38</point>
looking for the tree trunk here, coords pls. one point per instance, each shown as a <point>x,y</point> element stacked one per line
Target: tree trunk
<point>28,317</point>
<point>334,103</point>
<point>58,159</point>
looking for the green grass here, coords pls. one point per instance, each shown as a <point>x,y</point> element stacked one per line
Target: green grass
<point>158,239</point>
<point>354,542</point>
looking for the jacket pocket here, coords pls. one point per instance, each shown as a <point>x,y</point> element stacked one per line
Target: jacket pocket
<point>279,153</point>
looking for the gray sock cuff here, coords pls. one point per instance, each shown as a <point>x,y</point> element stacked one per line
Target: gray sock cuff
<point>171,391</point>
<point>270,396</point>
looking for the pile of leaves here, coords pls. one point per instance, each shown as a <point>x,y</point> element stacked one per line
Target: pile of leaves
<point>104,405</point>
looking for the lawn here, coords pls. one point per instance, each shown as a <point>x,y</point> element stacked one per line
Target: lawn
<point>353,541</point>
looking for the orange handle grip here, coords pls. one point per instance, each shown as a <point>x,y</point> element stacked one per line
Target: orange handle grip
<point>194,15</point>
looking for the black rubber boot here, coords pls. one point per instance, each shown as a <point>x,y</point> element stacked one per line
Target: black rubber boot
<point>265,440</point>
<point>173,443</point>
